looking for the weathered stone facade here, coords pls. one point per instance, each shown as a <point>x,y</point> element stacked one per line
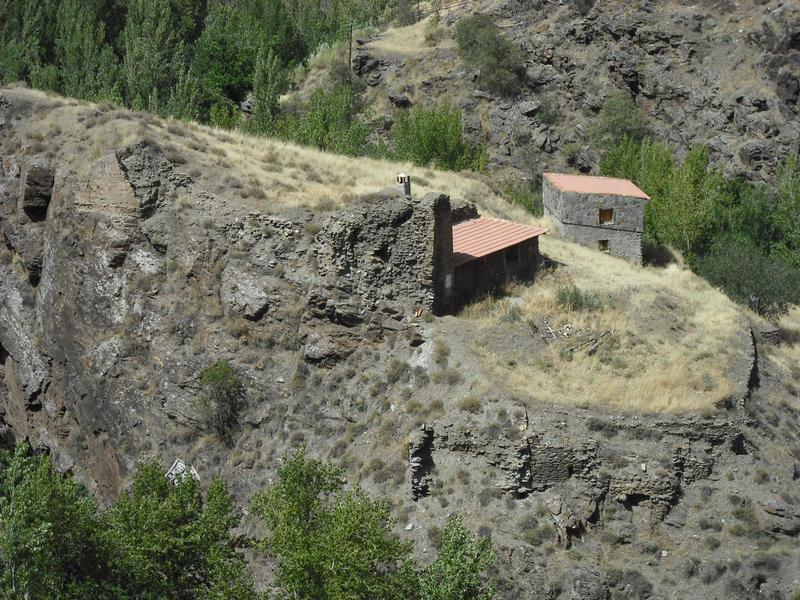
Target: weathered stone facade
<point>577,217</point>
<point>390,248</point>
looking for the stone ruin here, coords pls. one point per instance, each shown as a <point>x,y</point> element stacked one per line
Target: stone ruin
<point>389,248</point>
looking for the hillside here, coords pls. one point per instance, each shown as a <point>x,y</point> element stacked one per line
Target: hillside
<point>714,73</point>
<point>137,252</point>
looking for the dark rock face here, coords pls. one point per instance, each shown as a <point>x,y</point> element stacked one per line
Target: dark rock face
<point>677,65</point>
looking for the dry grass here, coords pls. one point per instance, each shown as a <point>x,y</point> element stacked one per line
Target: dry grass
<point>669,342</point>
<point>236,166</point>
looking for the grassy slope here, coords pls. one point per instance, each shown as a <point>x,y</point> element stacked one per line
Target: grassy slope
<point>676,341</point>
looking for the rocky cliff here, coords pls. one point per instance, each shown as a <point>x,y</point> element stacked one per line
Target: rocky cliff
<point>124,273</point>
<point>722,74</point>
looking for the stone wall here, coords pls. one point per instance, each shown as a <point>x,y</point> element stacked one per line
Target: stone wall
<point>576,217</point>
<point>389,248</point>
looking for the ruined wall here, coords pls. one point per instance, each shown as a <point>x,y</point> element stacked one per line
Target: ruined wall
<point>576,217</point>
<point>390,248</point>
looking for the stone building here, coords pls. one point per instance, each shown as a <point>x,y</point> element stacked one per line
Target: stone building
<point>393,247</point>
<point>600,212</point>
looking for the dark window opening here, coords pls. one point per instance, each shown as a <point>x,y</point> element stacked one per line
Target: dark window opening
<point>512,254</point>
<point>602,245</point>
<point>606,216</point>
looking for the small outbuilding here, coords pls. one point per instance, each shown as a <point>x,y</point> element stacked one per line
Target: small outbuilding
<point>600,212</point>
<point>488,252</point>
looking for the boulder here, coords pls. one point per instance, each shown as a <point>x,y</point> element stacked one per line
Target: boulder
<point>788,87</point>
<point>400,100</point>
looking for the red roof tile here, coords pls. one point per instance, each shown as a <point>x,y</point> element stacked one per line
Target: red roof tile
<point>586,184</point>
<point>483,236</point>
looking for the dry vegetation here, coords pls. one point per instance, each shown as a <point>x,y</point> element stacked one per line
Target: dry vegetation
<point>264,174</point>
<point>663,341</point>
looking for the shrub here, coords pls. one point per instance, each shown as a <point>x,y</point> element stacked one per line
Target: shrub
<point>432,30</point>
<point>483,46</point>
<point>458,573</point>
<point>619,118</point>
<point>525,195</point>
<point>441,352</point>
<point>572,298</point>
<point>434,137</point>
<point>398,370</point>
<point>221,398</point>
<point>329,122</point>
<point>471,403</point>
<point>768,285</point>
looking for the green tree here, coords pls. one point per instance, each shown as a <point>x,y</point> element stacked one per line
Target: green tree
<point>329,122</point>
<point>221,398</point>
<point>27,29</point>
<point>331,542</point>
<point>685,199</point>
<point>619,118</point>
<point>87,66</point>
<point>268,83</point>
<point>154,54</point>
<point>459,572</point>
<point>788,209</point>
<point>50,545</point>
<point>483,46</point>
<point>184,99</point>
<point>767,284</point>
<point>434,137</point>
<point>227,50</point>
<point>170,542</point>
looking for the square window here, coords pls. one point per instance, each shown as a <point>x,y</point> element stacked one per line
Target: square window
<point>606,216</point>
<point>602,245</point>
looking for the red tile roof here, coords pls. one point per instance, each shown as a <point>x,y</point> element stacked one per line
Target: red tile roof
<point>586,184</point>
<point>483,236</point>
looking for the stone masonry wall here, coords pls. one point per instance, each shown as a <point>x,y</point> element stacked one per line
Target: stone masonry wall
<point>576,217</point>
<point>390,248</point>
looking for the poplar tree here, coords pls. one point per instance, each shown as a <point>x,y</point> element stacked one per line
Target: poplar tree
<point>267,86</point>
<point>87,66</point>
<point>154,54</point>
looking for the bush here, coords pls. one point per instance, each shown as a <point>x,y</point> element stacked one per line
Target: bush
<point>483,46</point>
<point>221,398</point>
<point>471,403</point>
<point>434,137</point>
<point>525,195</point>
<point>572,298</point>
<point>619,118</point>
<point>329,122</point>
<point>768,285</point>
<point>458,571</point>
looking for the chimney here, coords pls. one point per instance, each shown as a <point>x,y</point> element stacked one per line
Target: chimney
<point>404,185</point>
